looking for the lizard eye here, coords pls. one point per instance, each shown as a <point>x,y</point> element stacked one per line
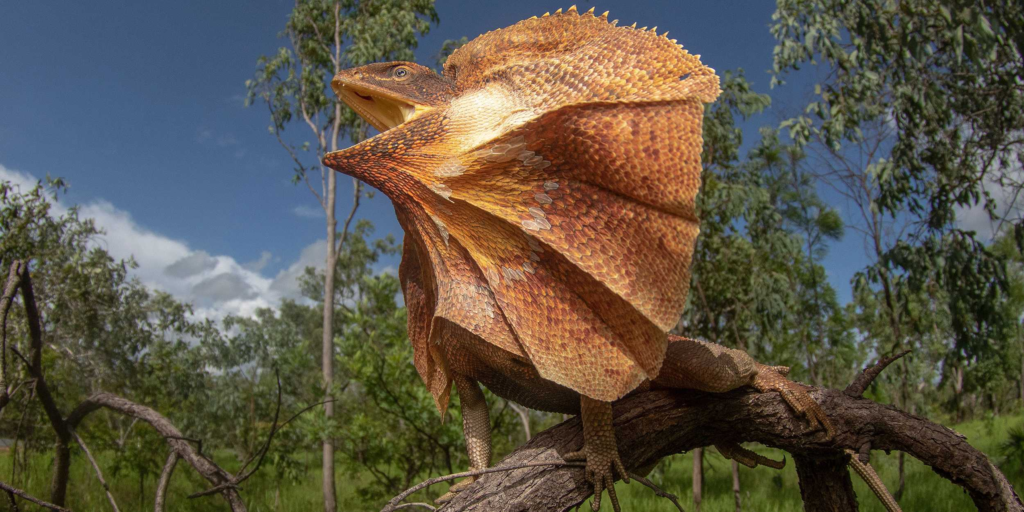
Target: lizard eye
<point>401,73</point>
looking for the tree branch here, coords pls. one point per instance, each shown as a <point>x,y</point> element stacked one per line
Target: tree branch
<point>860,384</point>
<point>165,481</point>
<point>95,466</point>
<point>62,450</point>
<point>653,425</point>
<point>28,497</point>
<point>13,281</point>
<point>210,471</point>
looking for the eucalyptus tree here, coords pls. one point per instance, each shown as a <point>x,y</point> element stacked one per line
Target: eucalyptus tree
<point>324,37</point>
<point>814,329</point>
<point>915,117</point>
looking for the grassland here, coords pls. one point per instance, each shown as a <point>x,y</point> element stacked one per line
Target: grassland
<point>763,490</point>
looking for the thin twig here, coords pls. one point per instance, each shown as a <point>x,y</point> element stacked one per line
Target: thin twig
<point>658,491</point>
<point>99,474</point>
<point>261,454</point>
<point>411,505</point>
<point>26,496</point>
<point>393,504</point>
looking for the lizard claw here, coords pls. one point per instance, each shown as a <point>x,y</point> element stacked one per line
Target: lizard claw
<point>770,378</point>
<point>602,465</point>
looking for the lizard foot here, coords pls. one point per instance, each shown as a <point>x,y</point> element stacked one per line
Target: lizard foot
<point>455,489</point>
<point>602,462</point>
<point>770,378</point>
<point>747,457</point>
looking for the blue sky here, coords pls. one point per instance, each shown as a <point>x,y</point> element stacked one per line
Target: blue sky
<point>139,106</point>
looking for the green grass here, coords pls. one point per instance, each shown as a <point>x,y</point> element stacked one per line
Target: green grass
<point>763,489</point>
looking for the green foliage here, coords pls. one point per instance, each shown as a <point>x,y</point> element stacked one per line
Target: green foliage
<point>448,47</point>
<point>757,281</point>
<point>924,97</point>
<point>294,82</point>
<point>103,331</point>
<point>1012,451</point>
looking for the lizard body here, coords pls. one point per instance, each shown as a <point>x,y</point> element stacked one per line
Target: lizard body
<point>546,183</point>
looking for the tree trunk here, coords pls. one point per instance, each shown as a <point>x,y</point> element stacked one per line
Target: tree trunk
<point>524,417</point>
<point>736,485</point>
<point>698,477</point>
<point>825,484</point>
<point>327,352</point>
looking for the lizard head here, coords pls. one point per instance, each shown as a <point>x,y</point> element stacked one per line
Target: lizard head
<point>388,94</point>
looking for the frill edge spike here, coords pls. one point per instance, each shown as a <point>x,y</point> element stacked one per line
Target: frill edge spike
<point>572,9</point>
<point>590,12</point>
<point>559,11</point>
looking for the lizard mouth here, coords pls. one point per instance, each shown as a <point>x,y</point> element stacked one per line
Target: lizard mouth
<point>382,110</point>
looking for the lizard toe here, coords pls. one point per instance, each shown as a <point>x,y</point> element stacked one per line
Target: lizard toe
<point>768,378</point>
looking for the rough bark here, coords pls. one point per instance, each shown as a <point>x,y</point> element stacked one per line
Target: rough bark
<point>825,484</point>
<point>656,424</point>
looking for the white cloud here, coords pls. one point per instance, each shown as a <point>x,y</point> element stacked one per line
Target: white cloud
<point>308,212</point>
<point>1007,205</point>
<point>216,285</point>
<point>261,263</point>
<point>286,283</point>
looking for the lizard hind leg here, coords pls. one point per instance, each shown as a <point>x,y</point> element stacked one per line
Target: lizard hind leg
<point>747,457</point>
<point>769,378</point>
<point>476,426</point>
<point>599,451</point>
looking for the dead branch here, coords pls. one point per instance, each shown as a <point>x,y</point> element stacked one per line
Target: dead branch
<point>210,471</point>
<point>28,497</point>
<point>653,425</point>
<point>865,378</point>
<point>165,481</point>
<point>657,490</point>
<point>62,449</point>
<point>96,466</point>
<point>394,503</point>
<point>13,281</point>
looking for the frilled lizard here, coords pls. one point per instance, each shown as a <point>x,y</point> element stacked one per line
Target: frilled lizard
<point>546,184</point>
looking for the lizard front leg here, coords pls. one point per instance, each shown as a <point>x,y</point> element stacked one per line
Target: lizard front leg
<point>599,450</point>
<point>696,364</point>
<point>476,427</point>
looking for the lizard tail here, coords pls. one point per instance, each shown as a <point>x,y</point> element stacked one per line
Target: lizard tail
<point>867,473</point>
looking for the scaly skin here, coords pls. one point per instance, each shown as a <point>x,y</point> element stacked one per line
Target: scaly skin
<point>546,184</point>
